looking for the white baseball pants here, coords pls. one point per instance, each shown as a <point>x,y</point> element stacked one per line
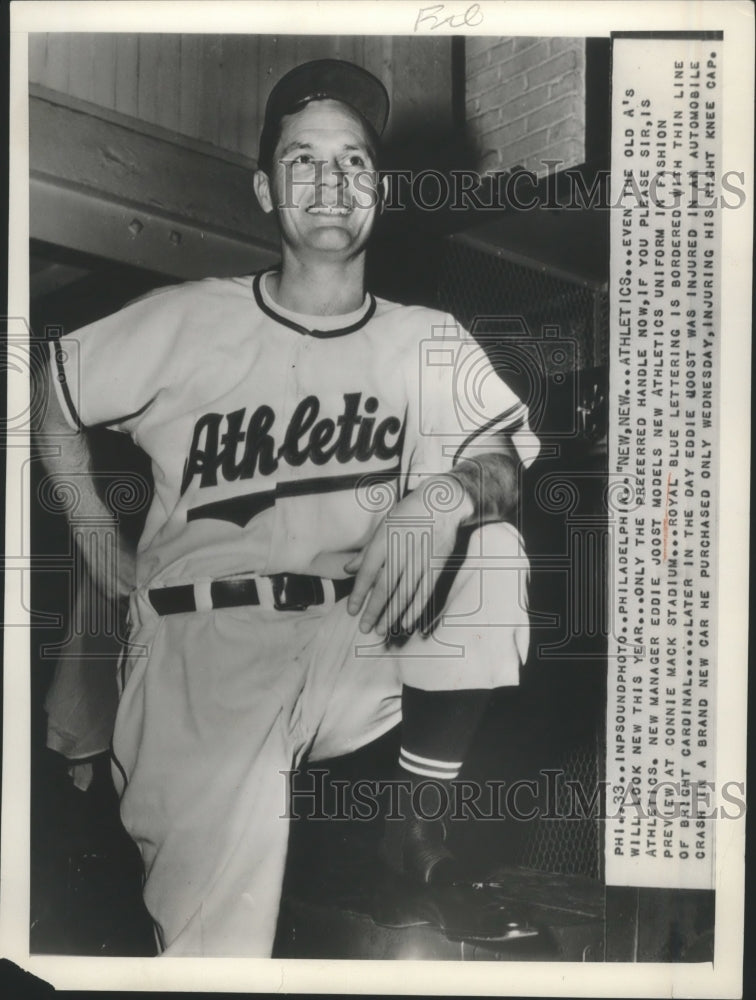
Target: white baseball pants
<point>220,705</point>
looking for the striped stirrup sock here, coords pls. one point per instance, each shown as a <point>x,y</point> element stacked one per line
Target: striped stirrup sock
<point>429,768</point>
<point>438,728</point>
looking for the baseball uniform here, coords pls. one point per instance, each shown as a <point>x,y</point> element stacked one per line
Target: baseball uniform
<point>278,441</point>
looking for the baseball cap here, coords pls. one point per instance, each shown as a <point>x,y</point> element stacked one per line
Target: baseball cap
<point>333,79</point>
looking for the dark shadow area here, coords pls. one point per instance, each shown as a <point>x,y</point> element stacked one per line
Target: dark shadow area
<point>86,873</point>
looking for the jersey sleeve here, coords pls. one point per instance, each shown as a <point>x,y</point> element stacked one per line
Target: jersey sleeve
<point>110,372</point>
<point>463,407</point>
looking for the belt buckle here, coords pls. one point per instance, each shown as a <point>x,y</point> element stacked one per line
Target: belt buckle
<point>294,593</point>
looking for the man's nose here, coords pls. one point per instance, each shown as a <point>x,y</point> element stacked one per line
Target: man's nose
<point>332,174</point>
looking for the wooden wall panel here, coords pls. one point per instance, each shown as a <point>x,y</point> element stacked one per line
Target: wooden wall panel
<point>190,85</point>
<point>81,65</point>
<point>126,77</point>
<point>209,90</point>
<point>246,111</point>
<point>103,64</point>
<point>149,99</point>
<point>214,87</point>
<point>41,65</point>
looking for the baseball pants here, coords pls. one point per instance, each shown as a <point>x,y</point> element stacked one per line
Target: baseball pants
<point>219,706</point>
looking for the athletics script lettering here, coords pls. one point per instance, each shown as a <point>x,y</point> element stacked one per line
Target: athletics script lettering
<point>664,286</point>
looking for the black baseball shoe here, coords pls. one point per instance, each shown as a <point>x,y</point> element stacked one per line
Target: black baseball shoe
<point>417,849</point>
<point>431,886</point>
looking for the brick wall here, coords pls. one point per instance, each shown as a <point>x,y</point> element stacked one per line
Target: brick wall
<point>525,101</point>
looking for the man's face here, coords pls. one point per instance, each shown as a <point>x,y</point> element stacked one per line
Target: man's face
<point>324,184</point>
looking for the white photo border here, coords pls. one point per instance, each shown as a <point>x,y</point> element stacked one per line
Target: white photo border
<point>538,17</point>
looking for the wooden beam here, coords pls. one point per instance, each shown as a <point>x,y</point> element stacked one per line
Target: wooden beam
<point>108,187</point>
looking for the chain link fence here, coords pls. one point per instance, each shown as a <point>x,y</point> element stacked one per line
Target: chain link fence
<point>480,282</point>
<point>569,844</point>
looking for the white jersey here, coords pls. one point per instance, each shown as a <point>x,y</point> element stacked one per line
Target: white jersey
<point>278,440</point>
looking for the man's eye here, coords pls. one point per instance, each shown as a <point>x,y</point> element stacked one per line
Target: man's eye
<point>355,160</point>
<point>303,158</point>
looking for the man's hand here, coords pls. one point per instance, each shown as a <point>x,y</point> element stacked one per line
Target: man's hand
<point>395,565</point>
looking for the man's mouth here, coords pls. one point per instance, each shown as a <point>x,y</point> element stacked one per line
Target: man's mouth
<point>332,210</point>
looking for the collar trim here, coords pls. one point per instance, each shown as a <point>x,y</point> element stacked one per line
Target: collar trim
<point>270,311</point>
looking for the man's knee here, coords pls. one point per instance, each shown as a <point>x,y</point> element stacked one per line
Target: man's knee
<point>491,581</point>
<point>499,540</point>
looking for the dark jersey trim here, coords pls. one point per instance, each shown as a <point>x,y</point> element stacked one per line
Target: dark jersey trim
<point>241,510</point>
<point>285,321</point>
<point>69,401</point>
<point>492,423</point>
<point>116,761</point>
<point>332,484</point>
<point>59,364</point>
<point>237,510</point>
<point>129,416</point>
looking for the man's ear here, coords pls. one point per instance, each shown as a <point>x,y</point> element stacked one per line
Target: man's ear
<point>383,191</point>
<point>261,184</point>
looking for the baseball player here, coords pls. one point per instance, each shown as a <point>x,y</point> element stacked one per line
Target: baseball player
<point>315,451</point>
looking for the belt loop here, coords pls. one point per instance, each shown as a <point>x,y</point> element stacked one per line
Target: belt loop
<point>329,591</point>
<point>203,600</point>
<point>265,592</point>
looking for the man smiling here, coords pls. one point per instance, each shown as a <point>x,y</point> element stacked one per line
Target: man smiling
<point>318,456</point>
<point>324,188</point>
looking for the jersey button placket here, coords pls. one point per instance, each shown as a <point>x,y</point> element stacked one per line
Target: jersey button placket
<point>279,540</point>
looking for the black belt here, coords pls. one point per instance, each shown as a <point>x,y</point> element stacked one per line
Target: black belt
<point>291,592</point>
